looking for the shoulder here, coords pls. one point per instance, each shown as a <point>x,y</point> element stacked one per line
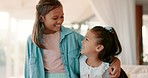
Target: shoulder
<point>29,39</point>
<point>82,61</point>
<point>30,42</point>
<point>66,30</point>
<point>69,32</point>
<point>82,58</point>
<point>105,66</point>
<point>105,75</point>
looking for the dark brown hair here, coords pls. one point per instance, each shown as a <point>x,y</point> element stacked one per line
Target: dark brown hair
<point>108,38</point>
<point>42,8</point>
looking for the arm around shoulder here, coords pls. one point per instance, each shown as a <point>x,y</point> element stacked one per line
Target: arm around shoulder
<point>115,68</point>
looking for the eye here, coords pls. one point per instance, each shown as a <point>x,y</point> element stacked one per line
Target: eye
<point>62,16</point>
<point>86,39</point>
<point>55,18</point>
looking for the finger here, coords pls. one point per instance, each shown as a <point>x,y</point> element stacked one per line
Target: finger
<point>113,73</point>
<point>112,76</point>
<point>116,75</point>
<point>112,70</point>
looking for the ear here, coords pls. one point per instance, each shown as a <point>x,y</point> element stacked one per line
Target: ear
<point>42,18</point>
<point>99,48</point>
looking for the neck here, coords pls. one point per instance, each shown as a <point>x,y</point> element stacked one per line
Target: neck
<point>49,32</point>
<point>94,62</point>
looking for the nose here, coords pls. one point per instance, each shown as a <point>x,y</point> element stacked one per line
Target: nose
<point>82,42</point>
<point>60,21</point>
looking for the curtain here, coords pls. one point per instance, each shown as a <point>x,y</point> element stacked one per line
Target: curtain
<point>119,14</point>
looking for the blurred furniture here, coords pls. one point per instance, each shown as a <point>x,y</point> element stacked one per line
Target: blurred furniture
<point>136,71</point>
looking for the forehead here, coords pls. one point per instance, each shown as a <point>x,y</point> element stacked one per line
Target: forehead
<point>90,34</point>
<point>56,11</point>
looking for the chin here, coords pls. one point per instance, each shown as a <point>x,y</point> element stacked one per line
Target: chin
<point>57,29</point>
<point>82,52</point>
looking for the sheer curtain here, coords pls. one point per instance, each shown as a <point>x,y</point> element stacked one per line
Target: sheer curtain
<point>121,15</point>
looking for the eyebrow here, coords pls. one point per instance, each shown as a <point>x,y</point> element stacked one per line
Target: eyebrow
<point>57,15</point>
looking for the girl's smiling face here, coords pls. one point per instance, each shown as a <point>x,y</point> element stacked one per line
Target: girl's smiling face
<point>89,44</point>
<point>53,20</point>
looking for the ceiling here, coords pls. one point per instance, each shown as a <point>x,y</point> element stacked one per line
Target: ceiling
<point>73,9</point>
<point>25,9</point>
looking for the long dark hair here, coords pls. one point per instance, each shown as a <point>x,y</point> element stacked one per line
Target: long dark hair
<point>109,39</point>
<point>42,8</point>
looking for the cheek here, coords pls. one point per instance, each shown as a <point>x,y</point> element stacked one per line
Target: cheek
<point>88,47</point>
<point>62,20</point>
<point>49,23</point>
